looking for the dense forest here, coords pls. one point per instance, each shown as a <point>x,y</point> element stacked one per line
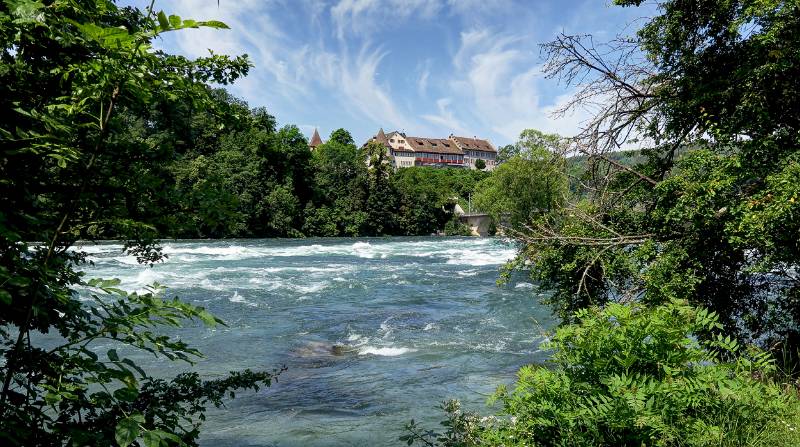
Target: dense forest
<point>226,170</point>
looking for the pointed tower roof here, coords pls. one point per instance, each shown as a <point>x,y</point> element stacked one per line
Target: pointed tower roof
<point>315,140</point>
<point>381,137</point>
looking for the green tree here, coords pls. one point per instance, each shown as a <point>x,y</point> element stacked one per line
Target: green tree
<point>480,164</point>
<point>340,184</point>
<point>528,184</point>
<point>79,161</point>
<point>380,201</point>
<point>506,152</point>
<point>709,87</point>
<point>342,137</point>
<point>425,202</point>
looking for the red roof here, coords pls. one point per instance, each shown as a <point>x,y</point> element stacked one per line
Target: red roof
<point>474,144</point>
<point>433,145</point>
<point>315,139</point>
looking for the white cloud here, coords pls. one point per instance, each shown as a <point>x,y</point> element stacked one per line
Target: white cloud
<point>479,9</point>
<point>422,81</point>
<point>367,16</point>
<point>501,79</point>
<point>445,117</point>
<point>317,62</point>
<point>289,71</point>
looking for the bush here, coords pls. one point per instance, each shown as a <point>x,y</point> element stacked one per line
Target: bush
<point>480,164</point>
<point>633,375</point>
<point>454,227</point>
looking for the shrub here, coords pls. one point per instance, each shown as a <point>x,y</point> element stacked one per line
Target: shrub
<point>454,227</point>
<point>636,375</point>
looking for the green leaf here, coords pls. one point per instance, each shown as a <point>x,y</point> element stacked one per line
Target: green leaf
<point>207,317</point>
<point>27,11</point>
<point>128,430</point>
<point>133,365</point>
<point>162,20</point>
<point>5,297</point>
<point>126,394</point>
<point>52,398</point>
<point>112,355</point>
<point>151,439</point>
<point>214,24</point>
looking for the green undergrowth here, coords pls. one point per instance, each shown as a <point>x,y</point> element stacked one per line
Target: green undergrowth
<point>632,375</point>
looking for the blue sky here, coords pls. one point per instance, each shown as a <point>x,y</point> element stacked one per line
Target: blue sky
<point>428,67</point>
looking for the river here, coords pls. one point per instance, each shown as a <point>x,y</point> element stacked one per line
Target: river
<point>420,320</point>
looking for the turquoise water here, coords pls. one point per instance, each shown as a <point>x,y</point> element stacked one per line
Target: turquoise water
<point>420,320</point>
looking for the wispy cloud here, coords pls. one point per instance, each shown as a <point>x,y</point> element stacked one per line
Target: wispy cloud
<point>500,76</point>
<point>445,119</point>
<point>366,16</point>
<point>422,80</point>
<point>428,66</point>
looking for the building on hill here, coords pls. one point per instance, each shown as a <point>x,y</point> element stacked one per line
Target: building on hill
<point>405,151</point>
<point>315,140</point>
<point>475,149</point>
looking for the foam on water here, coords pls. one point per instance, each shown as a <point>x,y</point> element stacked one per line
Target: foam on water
<point>384,351</point>
<point>360,304</point>
<point>236,298</point>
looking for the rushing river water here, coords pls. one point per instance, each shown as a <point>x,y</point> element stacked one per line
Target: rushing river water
<point>421,320</point>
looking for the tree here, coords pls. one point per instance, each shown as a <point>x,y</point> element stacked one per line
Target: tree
<point>506,152</point>
<point>480,164</point>
<point>527,185</point>
<point>340,184</point>
<point>342,137</point>
<point>708,87</point>
<point>425,201</point>
<point>380,202</point>
<point>79,162</point>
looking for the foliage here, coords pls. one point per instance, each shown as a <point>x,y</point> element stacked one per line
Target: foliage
<point>636,375</point>
<point>81,159</point>
<point>708,213</point>
<point>356,192</point>
<point>249,179</point>
<point>480,164</point>
<point>427,197</point>
<point>455,227</point>
<point>526,185</point>
<point>506,152</point>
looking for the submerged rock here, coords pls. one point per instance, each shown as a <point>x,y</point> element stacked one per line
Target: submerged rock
<point>322,349</point>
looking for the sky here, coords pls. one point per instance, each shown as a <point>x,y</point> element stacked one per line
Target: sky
<point>426,67</point>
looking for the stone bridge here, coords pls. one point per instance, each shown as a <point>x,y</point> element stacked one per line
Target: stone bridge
<point>478,223</point>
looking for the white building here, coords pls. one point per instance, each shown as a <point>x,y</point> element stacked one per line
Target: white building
<point>462,152</point>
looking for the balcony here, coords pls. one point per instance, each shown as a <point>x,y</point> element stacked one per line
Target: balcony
<point>436,160</point>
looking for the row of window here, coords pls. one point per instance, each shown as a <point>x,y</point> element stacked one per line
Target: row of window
<point>477,154</point>
<point>449,157</point>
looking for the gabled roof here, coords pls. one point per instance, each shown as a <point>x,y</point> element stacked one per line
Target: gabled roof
<point>473,144</point>
<point>315,139</point>
<point>435,145</point>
